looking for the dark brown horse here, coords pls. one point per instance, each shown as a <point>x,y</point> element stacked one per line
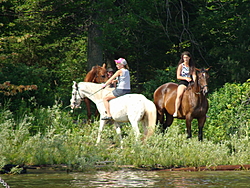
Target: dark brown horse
<point>97,74</point>
<point>194,104</point>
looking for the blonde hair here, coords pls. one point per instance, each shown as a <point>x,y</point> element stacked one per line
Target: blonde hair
<point>126,66</point>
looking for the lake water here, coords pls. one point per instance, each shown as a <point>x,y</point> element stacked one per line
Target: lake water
<point>42,178</point>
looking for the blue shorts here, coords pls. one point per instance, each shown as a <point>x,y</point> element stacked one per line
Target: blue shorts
<point>120,92</point>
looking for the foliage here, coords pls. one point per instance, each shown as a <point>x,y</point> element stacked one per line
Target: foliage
<point>45,42</point>
<point>9,89</point>
<point>229,112</point>
<point>161,77</point>
<point>226,46</point>
<point>27,75</point>
<point>40,46</point>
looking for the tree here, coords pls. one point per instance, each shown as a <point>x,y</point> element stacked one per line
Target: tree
<point>44,36</point>
<point>48,40</point>
<point>223,30</point>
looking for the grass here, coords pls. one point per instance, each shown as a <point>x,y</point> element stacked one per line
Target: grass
<point>58,140</point>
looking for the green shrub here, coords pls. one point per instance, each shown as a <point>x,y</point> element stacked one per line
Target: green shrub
<point>229,112</point>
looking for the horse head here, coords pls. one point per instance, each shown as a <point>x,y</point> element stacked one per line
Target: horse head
<point>76,97</point>
<point>97,74</point>
<point>101,74</point>
<point>202,79</point>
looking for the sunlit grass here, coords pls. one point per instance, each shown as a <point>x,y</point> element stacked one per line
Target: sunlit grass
<point>59,140</point>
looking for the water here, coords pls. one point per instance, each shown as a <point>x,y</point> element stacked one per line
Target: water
<point>42,178</point>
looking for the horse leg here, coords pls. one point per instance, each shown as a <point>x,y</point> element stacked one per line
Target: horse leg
<point>169,119</point>
<point>102,122</point>
<point>119,132</point>
<point>188,126</point>
<point>96,113</point>
<point>135,129</point>
<point>201,122</point>
<point>148,128</point>
<point>165,124</point>
<point>87,102</point>
<point>145,128</point>
<point>149,120</point>
<point>160,117</point>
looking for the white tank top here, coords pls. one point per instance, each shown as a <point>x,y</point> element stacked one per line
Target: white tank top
<point>185,71</point>
<point>124,80</point>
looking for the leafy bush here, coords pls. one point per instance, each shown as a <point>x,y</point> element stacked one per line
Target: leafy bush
<point>28,75</point>
<point>229,112</point>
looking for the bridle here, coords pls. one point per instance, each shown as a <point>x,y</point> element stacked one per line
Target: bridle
<point>77,92</point>
<point>201,87</point>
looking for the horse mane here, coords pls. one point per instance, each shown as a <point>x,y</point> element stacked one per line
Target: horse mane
<point>195,84</point>
<point>190,85</point>
<point>91,74</point>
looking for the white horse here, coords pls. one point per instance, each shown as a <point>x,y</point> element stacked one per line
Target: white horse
<point>131,108</point>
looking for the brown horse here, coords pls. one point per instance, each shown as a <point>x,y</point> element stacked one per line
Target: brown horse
<point>97,74</point>
<point>194,104</point>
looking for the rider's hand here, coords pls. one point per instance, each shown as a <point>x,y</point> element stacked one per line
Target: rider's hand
<point>104,85</point>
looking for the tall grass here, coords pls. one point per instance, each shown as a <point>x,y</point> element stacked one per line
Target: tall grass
<point>76,147</point>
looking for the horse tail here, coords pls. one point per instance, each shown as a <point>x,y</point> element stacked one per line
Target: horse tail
<point>150,117</point>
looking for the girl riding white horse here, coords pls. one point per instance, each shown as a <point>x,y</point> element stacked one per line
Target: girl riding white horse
<point>133,108</point>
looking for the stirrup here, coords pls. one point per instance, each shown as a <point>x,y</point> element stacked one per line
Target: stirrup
<point>107,118</point>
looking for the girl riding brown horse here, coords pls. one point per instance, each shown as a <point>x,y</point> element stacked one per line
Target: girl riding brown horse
<point>194,104</point>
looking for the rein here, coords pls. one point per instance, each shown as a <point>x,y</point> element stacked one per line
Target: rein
<point>202,87</point>
<point>78,92</point>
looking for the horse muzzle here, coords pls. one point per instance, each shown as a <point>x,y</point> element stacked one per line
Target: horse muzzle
<point>205,90</point>
<point>73,106</point>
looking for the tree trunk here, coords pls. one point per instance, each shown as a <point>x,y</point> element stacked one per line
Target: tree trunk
<point>95,51</point>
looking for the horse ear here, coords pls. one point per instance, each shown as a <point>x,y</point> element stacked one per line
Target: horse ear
<point>104,65</point>
<point>198,69</point>
<point>208,68</point>
<point>74,84</point>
